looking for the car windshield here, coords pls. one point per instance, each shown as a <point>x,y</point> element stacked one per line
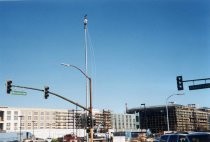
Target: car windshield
<point>199,138</point>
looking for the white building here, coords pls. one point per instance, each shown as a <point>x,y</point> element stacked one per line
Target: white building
<point>44,122</point>
<point>38,121</point>
<point>9,119</point>
<point>123,122</point>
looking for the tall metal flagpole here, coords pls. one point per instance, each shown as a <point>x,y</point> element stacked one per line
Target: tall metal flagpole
<point>86,57</point>
<point>86,68</point>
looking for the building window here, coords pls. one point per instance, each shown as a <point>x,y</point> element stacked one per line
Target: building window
<point>15,126</point>
<point>36,113</point>
<point>8,117</point>
<point>8,112</point>
<point>41,124</point>
<point>15,117</point>
<point>8,126</point>
<point>35,117</point>
<point>35,123</point>
<point>16,113</point>
<point>29,117</point>
<point>29,124</point>
<point>22,118</point>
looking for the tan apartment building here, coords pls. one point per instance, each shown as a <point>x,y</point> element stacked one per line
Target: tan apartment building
<point>36,118</point>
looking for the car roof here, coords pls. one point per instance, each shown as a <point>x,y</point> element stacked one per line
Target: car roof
<point>199,133</point>
<point>183,134</point>
<point>175,133</point>
<point>187,133</point>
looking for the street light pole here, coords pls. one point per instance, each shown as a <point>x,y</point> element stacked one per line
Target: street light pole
<point>21,116</point>
<point>145,119</point>
<point>33,127</point>
<point>90,93</point>
<point>167,109</point>
<point>86,66</point>
<point>86,56</point>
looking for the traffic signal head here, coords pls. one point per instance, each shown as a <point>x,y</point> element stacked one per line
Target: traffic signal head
<point>89,121</point>
<point>46,92</point>
<point>94,122</point>
<point>88,130</point>
<point>179,83</point>
<point>9,86</point>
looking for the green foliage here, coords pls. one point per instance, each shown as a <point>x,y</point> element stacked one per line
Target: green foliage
<point>54,140</point>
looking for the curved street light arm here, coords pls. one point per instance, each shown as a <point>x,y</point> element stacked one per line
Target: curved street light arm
<point>167,109</point>
<point>69,65</point>
<point>169,97</point>
<point>90,93</point>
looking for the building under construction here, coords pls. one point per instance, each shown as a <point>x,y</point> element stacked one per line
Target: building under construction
<point>181,118</point>
<point>104,119</point>
<point>101,120</point>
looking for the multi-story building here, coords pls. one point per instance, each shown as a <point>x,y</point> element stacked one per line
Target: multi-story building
<point>103,119</point>
<point>40,118</point>
<point>9,119</point>
<point>36,118</point>
<point>76,119</point>
<point>181,118</point>
<point>123,122</point>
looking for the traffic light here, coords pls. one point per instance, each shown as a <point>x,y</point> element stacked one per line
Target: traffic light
<point>9,86</point>
<point>46,92</point>
<point>179,83</point>
<point>94,122</point>
<point>87,130</point>
<point>89,122</point>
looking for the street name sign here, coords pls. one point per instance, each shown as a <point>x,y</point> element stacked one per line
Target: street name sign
<point>199,86</point>
<point>19,93</point>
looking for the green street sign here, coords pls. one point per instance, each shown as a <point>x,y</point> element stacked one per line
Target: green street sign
<point>18,93</point>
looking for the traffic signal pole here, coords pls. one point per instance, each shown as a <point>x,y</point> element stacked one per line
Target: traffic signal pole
<point>47,92</point>
<point>90,93</point>
<point>194,86</point>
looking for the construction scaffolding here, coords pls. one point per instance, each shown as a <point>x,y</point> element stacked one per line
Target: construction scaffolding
<point>103,118</point>
<point>181,118</point>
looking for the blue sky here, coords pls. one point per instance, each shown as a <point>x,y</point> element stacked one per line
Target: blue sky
<point>135,51</point>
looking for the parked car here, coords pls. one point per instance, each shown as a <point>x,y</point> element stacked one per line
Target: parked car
<point>186,137</point>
